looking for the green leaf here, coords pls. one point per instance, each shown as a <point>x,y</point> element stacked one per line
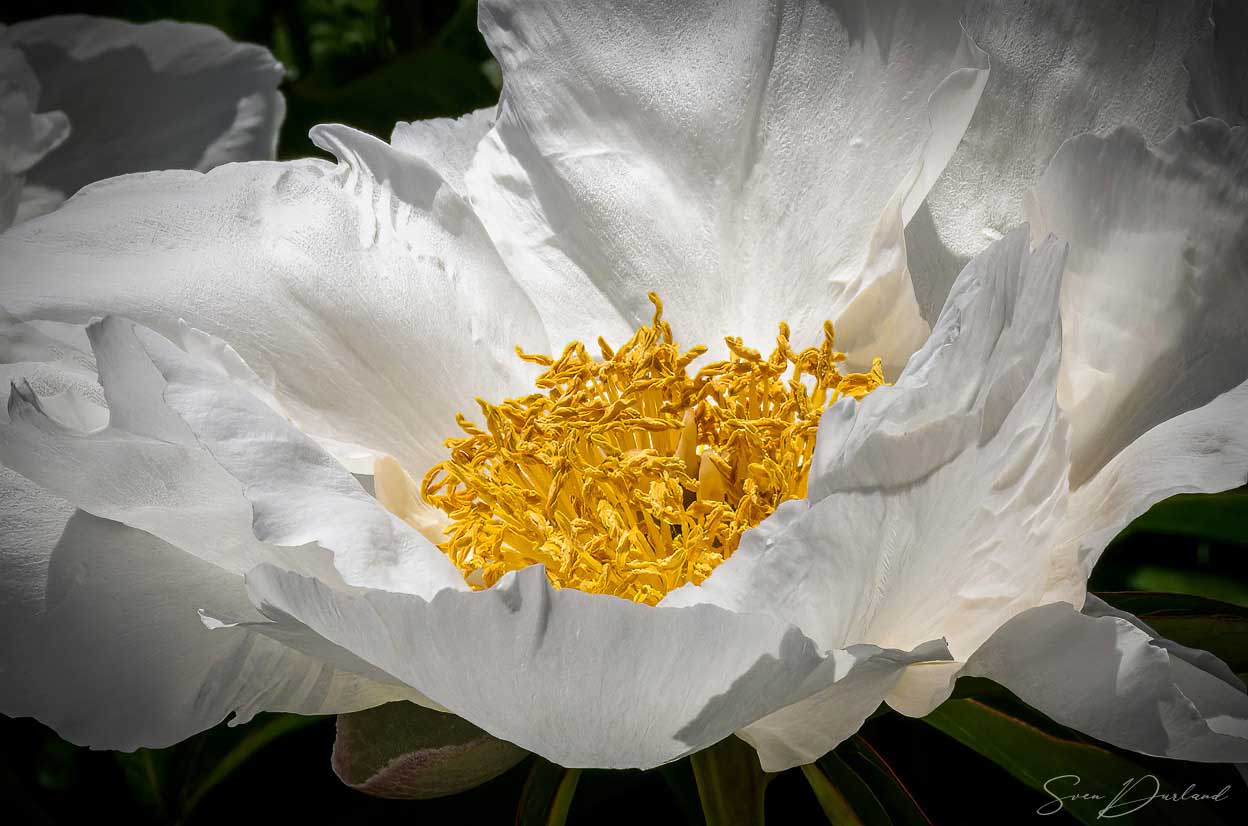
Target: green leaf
<point>844,796</point>
<point>170,783</point>
<point>1217,517</point>
<point>405,751</point>
<point>1038,757</point>
<point>256,737</point>
<point>864,761</point>
<point>1217,627</point>
<point>547,795</point>
<point>731,783</point>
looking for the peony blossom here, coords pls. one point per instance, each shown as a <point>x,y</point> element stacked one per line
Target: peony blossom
<point>624,557</point>
<point>86,98</point>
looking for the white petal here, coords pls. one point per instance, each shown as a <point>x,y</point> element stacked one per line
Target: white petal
<point>143,97</point>
<point>446,144</point>
<point>1058,70</point>
<point>934,504</point>
<point>296,493</point>
<point>28,131</point>
<point>114,654</point>
<point>1107,676</point>
<point>365,295</point>
<point>749,163</point>
<point>1202,451</point>
<point>145,469</point>
<point>582,679</point>
<point>1156,290</point>
<point>806,730</point>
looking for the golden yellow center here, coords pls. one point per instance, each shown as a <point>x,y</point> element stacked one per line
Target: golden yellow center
<point>628,475</point>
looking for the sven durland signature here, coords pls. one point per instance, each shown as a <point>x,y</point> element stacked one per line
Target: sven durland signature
<point>1135,794</point>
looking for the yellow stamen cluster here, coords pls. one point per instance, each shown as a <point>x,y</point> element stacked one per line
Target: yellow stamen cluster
<point>629,476</point>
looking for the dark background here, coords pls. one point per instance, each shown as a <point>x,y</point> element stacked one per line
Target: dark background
<point>369,64</point>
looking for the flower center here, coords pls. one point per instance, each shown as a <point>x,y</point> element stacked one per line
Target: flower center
<point>628,475</point>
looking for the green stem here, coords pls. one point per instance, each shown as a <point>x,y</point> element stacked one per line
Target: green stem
<point>731,783</point>
<point>563,798</point>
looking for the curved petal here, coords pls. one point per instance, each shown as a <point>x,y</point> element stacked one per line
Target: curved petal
<point>934,504</point>
<point>365,295</point>
<point>25,136</point>
<point>115,656</point>
<point>750,161</point>
<point>144,468</point>
<point>143,97</point>
<point>808,729</point>
<point>538,667</point>
<point>1202,451</point>
<point>1156,289</point>
<point>1104,673</point>
<point>295,493</point>
<point>1058,70</point>
<point>446,144</point>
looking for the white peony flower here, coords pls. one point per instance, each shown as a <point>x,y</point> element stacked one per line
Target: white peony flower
<point>85,98</point>
<point>186,540</point>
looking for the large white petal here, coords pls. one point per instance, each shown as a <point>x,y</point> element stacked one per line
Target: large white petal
<point>25,135</point>
<point>296,494</point>
<point>446,144</point>
<point>103,643</point>
<point>143,97</point>
<point>1202,451</point>
<point>1105,673</point>
<point>1058,69</point>
<point>101,638</point>
<point>750,161</point>
<point>144,468</point>
<point>584,679</point>
<point>1156,290</point>
<point>366,294</point>
<point>934,504</point>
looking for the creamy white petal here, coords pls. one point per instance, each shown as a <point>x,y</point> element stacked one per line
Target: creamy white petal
<point>582,679</point>
<point>159,95</point>
<point>364,294</point>
<point>1156,289</point>
<point>1106,675</point>
<point>1058,69</point>
<point>103,642</point>
<point>749,161</point>
<point>934,504</point>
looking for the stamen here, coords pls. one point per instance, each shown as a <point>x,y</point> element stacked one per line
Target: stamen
<point>627,475</point>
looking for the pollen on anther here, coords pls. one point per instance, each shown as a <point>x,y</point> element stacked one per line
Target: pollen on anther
<point>629,475</point>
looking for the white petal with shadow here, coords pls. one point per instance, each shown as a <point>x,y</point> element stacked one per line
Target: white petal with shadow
<point>750,162</point>
<point>143,97</point>
<point>364,294</point>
